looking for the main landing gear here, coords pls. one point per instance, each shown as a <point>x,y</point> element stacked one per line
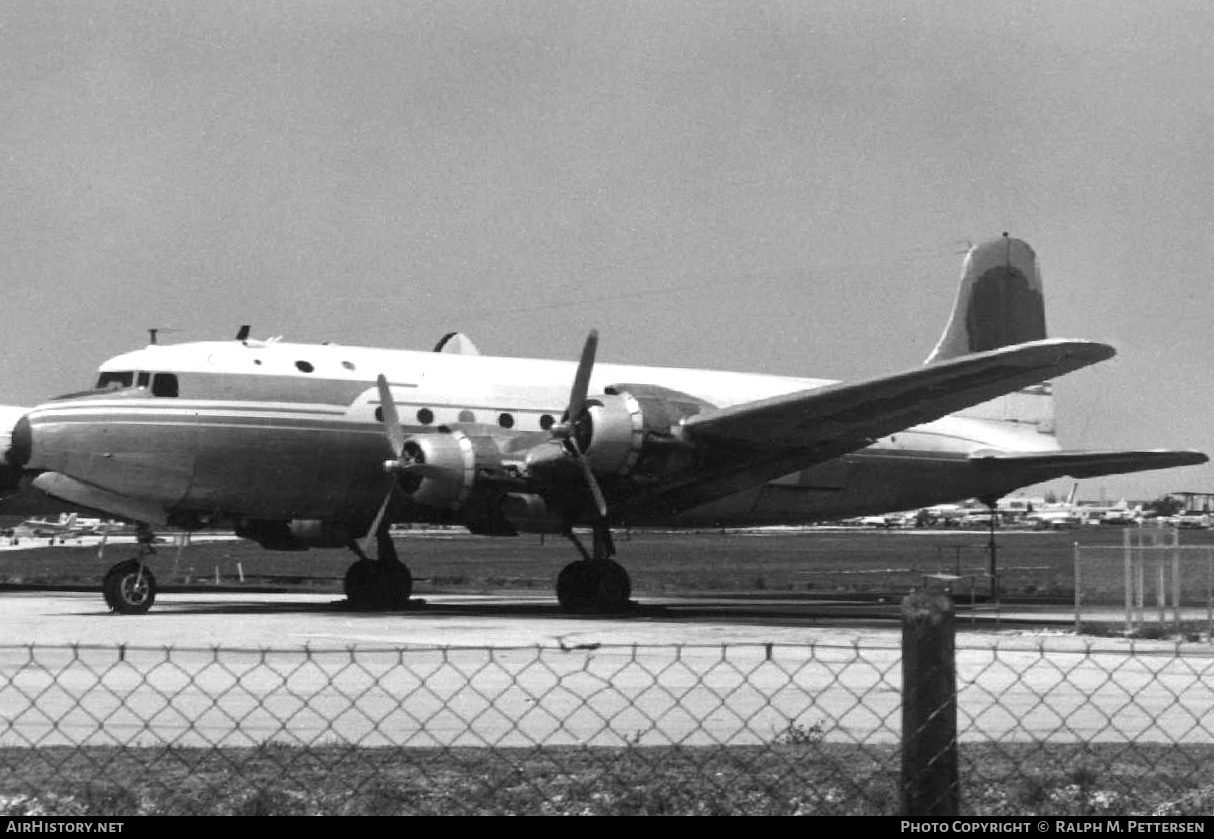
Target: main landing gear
<point>378,584</point>
<point>596,583</point>
<point>129,587</point>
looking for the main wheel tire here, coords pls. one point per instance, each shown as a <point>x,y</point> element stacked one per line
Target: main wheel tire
<point>573,587</point>
<point>394,585</point>
<point>129,588</point>
<point>360,585</point>
<point>612,587</point>
<point>373,585</point>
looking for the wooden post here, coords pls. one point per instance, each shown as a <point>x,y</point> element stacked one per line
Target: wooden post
<point>930,786</point>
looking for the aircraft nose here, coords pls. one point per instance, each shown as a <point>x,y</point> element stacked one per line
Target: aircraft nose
<point>15,450</point>
<point>21,445</point>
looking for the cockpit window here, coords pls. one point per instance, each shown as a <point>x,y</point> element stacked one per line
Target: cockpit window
<point>114,380</point>
<point>164,384</point>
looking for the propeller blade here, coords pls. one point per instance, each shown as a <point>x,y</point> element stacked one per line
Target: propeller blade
<point>396,434</point>
<point>599,501</point>
<point>396,439</point>
<point>581,381</point>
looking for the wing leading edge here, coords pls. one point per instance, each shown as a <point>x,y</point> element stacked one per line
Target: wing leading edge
<point>852,415</point>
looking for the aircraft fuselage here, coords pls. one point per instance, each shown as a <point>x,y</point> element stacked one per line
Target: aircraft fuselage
<point>279,431</point>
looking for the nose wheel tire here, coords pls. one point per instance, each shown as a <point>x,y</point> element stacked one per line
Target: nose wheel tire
<point>129,588</point>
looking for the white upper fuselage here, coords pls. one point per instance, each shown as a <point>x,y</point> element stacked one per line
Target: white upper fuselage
<point>452,387</point>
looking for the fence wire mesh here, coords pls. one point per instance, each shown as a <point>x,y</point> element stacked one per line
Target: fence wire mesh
<point>748,729</point>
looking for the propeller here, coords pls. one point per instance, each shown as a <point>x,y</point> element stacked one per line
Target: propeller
<point>566,431</point>
<point>396,439</point>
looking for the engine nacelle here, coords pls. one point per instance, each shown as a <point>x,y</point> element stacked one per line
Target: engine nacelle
<point>453,462</point>
<point>632,430</point>
<point>612,433</point>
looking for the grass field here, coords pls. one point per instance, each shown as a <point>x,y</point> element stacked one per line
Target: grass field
<point>792,777</point>
<point>820,560</point>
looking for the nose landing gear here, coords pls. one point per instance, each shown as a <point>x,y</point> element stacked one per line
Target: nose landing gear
<point>129,587</point>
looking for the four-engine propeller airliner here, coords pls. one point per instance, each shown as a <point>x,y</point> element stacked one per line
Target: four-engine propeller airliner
<point>300,445</point>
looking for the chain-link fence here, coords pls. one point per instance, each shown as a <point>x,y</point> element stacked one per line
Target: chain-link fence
<point>1044,727</point>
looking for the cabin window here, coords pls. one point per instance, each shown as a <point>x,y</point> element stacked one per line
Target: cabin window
<point>425,416</point>
<point>114,380</point>
<point>467,416</point>
<point>349,365</point>
<point>164,384</point>
<point>143,379</point>
<point>546,421</point>
<point>505,421</point>
<point>304,366</point>
<point>379,414</point>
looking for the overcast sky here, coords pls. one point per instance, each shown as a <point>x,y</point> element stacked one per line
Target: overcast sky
<point>763,186</point>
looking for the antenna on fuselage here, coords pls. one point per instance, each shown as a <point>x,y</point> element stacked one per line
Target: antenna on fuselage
<point>153,331</point>
<point>242,334</point>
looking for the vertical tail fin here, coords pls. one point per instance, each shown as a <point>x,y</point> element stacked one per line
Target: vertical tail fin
<point>1000,302</point>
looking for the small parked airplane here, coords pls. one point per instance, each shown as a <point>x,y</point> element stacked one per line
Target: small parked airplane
<point>1058,515</point>
<point>66,525</point>
<point>300,445</point>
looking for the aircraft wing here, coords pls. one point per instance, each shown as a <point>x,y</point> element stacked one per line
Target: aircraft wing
<point>745,445</point>
<point>1035,467</point>
<point>853,415</point>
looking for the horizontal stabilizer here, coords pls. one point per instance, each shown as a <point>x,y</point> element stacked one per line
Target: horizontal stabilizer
<point>1035,467</point>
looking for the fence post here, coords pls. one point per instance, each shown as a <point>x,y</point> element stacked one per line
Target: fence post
<point>930,786</point>
<point>1129,582</point>
<point>1176,581</point>
<point>1075,562</point>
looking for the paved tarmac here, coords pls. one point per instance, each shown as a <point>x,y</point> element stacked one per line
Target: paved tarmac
<point>289,621</point>
<point>248,668</point>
